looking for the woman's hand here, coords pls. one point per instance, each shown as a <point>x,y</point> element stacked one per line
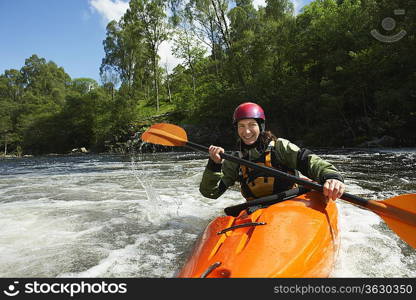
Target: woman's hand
<point>214,154</point>
<point>333,189</point>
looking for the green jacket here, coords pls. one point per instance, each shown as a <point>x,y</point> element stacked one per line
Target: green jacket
<point>217,178</point>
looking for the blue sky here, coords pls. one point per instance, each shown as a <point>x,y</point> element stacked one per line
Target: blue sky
<point>68,32</point>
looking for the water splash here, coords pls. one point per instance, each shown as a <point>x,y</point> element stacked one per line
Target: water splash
<point>157,209</point>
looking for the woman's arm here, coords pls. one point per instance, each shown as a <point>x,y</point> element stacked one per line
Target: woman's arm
<point>217,178</point>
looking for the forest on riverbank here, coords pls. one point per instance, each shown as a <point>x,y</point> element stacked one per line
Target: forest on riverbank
<point>339,73</point>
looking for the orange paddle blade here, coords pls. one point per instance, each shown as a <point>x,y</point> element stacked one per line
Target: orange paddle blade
<point>165,134</point>
<point>400,216</point>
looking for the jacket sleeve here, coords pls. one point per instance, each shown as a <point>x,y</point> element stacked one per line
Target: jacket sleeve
<point>217,178</point>
<point>305,161</point>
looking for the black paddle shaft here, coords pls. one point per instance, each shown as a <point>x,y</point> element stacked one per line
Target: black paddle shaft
<point>276,173</point>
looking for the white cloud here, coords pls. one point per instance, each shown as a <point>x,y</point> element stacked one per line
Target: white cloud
<point>109,9</point>
<point>114,10</point>
<point>166,56</point>
<point>257,3</point>
<point>298,4</point>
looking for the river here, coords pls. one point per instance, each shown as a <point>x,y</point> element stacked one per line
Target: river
<point>138,215</point>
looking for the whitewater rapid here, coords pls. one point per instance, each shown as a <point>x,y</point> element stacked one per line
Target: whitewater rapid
<point>139,215</point>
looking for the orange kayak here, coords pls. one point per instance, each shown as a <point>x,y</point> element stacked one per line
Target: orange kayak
<point>293,238</point>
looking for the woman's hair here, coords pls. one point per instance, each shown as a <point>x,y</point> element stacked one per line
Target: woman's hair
<point>265,138</point>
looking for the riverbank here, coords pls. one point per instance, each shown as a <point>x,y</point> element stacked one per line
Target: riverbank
<point>207,135</point>
<point>143,148</point>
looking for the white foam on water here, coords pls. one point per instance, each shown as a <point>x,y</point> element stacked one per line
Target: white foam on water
<point>151,255</point>
<point>31,238</point>
<point>171,197</point>
<point>53,222</point>
<point>104,218</point>
<point>367,247</point>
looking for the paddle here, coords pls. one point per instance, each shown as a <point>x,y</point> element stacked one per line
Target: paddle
<point>398,212</point>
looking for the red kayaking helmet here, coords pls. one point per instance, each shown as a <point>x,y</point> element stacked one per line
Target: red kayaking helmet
<point>249,110</point>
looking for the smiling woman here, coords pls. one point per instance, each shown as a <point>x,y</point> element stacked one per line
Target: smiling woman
<point>262,147</point>
<point>248,131</point>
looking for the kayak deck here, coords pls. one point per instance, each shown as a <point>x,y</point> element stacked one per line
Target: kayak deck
<point>294,238</point>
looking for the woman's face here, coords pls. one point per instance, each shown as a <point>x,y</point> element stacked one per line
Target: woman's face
<point>248,131</point>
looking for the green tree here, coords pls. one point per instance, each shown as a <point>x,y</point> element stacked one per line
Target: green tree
<point>187,48</point>
<point>153,17</point>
